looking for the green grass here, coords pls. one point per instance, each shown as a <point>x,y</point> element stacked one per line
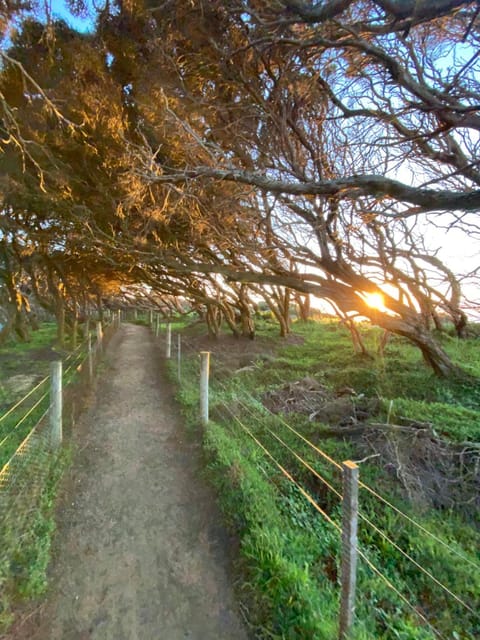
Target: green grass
<point>289,553</point>
<point>20,357</point>
<point>26,544</point>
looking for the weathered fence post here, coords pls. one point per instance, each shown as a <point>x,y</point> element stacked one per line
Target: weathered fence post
<point>157,325</point>
<point>150,318</point>
<point>168,344</point>
<point>99,336</point>
<point>179,357</point>
<point>90,358</point>
<point>56,435</point>
<point>204,376</point>
<point>349,547</point>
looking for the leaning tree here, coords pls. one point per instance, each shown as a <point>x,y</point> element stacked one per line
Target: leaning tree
<point>358,122</point>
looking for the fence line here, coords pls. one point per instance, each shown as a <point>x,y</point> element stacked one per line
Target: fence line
<point>24,475</point>
<point>362,484</point>
<point>404,599</point>
<point>283,470</point>
<point>80,356</point>
<point>418,525</point>
<point>419,566</point>
<point>17,404</point>
<point>322,453</point>
<point>363,517</point>
<point>23,418</point>
<point>21,446</point>
<point>312,501</point>
<point>299,458</point>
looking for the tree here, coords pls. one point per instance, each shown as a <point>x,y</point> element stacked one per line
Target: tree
<point>324,114</point>
<point>278,144</point>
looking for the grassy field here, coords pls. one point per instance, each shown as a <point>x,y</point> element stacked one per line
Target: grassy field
<point>417,434</point>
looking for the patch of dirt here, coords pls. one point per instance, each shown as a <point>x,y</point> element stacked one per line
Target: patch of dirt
<point>13,380</point>
<point>18,385</point>
<point>229,352</point>
<point>140,552</point>
<point>47,354</point>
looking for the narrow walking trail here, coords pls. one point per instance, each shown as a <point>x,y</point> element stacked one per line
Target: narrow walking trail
<point>140,551</point>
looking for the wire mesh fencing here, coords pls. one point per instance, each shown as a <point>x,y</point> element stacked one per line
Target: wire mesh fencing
<point>30,464</point>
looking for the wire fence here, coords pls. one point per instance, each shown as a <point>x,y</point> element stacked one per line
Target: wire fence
<point>295,457</point>
<point>29,460</point>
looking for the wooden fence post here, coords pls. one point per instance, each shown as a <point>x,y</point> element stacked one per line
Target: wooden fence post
<point>99,336</point>
<point>349,547</point>
<point>55,412</point>
<point>168,346</point>
<point>157,325</point>
<point>90,358</point>
<point>204,376</point>
<point>179,357</point>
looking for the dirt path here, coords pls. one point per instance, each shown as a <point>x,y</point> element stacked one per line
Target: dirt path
<point>140,554</point>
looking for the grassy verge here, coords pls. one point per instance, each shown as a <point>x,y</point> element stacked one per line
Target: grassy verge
<point>27,537</point>
<point>290,554</point>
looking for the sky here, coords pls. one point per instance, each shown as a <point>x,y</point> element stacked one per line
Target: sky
<point>60,10</point>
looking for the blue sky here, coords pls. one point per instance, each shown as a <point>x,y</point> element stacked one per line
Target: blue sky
<point>60,9</point>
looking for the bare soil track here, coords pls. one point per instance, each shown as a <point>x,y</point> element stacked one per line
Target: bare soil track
<point>140,552</point>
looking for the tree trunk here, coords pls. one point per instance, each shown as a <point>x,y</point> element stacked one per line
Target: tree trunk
<point>246,320</point>
<point>303,307</point>
<point>212,321</point>
<point>21,327</point>
<point>432,352</point>
<point>436,357</point>
<point>358,343</point>
<point>248,327</point>
<point>229,316</point>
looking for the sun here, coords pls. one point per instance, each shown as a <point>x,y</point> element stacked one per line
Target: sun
<point>374,300</point>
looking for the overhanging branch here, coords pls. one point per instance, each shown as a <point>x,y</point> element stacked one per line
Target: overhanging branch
<point>352,188</point>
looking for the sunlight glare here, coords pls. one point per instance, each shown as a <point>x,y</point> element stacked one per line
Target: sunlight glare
<point>374,300</point>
